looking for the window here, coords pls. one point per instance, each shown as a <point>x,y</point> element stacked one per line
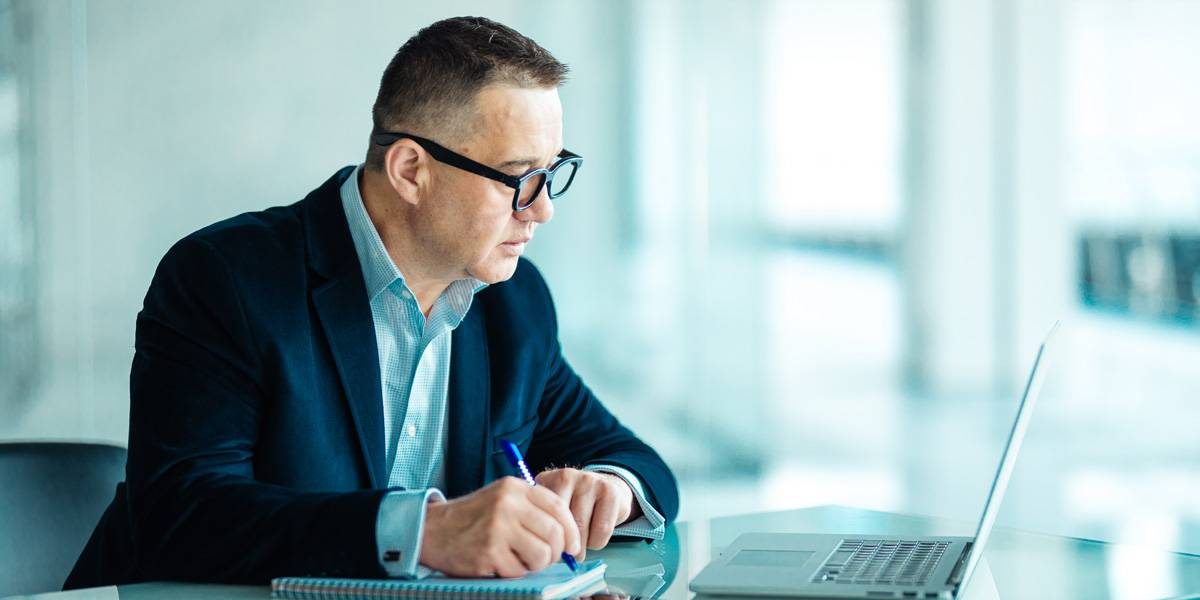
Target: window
<point>1133,152</point>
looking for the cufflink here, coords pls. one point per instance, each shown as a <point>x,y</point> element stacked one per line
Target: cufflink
<point>391,556</point>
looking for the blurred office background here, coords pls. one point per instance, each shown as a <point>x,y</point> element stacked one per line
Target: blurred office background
<point>810,257</point>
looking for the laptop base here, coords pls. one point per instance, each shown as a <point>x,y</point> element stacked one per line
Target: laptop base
<point>801,565</point>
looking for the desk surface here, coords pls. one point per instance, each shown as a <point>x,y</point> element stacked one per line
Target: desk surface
<point>1017,564</point>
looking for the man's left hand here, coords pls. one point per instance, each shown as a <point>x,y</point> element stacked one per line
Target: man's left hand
<point>598,501</point>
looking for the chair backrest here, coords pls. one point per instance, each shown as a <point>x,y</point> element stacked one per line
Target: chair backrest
<point>51,497</point>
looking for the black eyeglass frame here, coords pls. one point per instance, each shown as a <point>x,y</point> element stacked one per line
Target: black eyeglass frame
<point>454,159</point>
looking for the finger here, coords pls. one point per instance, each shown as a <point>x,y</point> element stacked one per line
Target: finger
<point>509,564</point>
<point>546,526</point>
<point>558,482</point>
<point>550,478</point>
<point>556,508</point>
<point>604,519</point>
<point>534,553</point>
<point>581,508</point>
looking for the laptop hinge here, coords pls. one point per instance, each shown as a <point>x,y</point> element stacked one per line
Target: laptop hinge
<point>956,574</point>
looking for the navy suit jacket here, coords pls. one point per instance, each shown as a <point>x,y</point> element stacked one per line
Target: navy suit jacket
<point>256,429</point>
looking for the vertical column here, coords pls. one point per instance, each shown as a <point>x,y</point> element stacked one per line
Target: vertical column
<point>698,279</point>
<point>987,247</point>
<point>948,233</point>
<point>1043,250</point>
<point>18,342</point>
<point>725,270</point>
<point>55,62</point>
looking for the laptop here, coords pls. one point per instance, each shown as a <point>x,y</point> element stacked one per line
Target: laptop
<point>800,565</point>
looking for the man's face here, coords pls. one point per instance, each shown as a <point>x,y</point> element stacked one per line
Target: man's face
<point>470,219</point>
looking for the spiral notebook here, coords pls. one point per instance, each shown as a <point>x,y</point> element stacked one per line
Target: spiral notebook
<point>555,581</point>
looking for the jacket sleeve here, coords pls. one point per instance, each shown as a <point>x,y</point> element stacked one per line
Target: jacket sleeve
<point>196,401</point>
<point>575,429</point>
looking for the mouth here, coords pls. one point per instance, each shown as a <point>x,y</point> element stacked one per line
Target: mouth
<point>516,246</point>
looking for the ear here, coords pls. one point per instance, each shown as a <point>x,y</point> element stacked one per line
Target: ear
<point>406,166</point>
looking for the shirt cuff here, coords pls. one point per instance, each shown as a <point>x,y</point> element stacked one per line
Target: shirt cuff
<point>398,530</point>
<point>651,524</point>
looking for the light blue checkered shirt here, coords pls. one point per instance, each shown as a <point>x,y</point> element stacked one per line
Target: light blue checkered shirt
<point>414,370</point>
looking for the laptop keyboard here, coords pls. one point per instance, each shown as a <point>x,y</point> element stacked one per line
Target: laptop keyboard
<point>882,562</point>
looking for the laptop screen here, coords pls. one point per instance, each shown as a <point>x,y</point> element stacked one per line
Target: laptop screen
<point>991,508</point>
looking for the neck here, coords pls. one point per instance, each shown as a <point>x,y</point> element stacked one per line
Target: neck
<point>393,219</point>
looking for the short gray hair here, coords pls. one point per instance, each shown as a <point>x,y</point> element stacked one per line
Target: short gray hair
<point>431,83</point>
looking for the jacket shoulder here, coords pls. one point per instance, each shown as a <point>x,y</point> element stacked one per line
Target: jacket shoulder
<point>253,234</point>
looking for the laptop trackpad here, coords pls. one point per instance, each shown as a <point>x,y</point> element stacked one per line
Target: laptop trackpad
<point>770,558</point>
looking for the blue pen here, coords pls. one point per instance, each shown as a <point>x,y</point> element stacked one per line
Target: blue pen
<point>518,462</point>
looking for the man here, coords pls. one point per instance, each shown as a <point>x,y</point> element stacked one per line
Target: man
<point>312,382</point>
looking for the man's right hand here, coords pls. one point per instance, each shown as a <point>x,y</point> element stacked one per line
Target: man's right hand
<point>507,528</point>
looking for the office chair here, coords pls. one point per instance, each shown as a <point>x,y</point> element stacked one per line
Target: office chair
<point>51,497</point>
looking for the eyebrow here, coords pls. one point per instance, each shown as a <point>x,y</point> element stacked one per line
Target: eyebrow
<point>516,163</point>
<point>523,162</point>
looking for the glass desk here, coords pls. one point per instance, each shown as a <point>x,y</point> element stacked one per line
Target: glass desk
<point>1017,564</point>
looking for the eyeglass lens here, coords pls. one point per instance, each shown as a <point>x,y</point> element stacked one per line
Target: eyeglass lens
<point>558,182</point>
<point>530,188</point>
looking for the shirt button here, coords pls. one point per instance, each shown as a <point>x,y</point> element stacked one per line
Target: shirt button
<point>406,295</point>
<point>412,431</point>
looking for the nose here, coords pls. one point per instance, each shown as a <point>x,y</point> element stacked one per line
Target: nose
<point>541,211</point>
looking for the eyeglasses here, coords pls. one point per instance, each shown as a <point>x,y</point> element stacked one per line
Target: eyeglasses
<point>526,188</point>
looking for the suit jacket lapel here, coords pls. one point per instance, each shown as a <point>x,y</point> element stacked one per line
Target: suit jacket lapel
<point>345,313</point>
<point>351,336</point>
<point>468,400</point>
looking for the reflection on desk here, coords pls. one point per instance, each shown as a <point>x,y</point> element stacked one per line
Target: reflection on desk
<point>639,569</point>
<point>1018,564</point>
